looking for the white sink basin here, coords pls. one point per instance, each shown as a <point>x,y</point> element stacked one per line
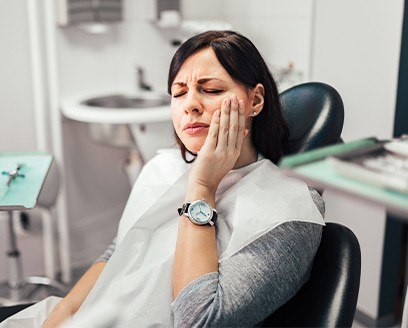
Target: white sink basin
<point>117,108</point>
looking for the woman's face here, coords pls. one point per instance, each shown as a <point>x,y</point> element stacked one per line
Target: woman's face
<point>197,92</point>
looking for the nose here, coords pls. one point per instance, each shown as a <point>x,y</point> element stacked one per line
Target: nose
<point>192,103</point>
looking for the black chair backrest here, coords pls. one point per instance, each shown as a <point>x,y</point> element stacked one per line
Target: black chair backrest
<point>315,114</point>
<point>329,298</point>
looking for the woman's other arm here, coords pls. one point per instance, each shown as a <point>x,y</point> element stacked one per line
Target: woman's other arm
<point>73,300</point>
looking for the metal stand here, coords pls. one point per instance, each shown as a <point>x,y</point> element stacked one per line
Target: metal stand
<point>20,289</point>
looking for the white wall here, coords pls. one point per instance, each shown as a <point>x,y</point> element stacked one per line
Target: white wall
<point>16,109</point>
<point>356,49</point>
<point>281,29</point>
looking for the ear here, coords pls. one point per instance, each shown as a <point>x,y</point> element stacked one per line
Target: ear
<point>257,104</point>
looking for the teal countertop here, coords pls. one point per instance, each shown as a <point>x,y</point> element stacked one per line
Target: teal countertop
<point>316,171</point>
<point>23,192</point>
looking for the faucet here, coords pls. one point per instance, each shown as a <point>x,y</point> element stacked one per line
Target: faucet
<point>142,85</point>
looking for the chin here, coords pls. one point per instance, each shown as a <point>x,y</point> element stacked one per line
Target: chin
<point>193,146</point>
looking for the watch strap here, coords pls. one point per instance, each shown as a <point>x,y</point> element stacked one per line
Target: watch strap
<point>183,209</point>
<point>214,216</point>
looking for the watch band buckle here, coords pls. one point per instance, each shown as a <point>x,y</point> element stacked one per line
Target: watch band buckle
<point>183,209</point>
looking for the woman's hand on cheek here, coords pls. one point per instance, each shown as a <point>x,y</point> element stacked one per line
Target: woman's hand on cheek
<point>222,146</point>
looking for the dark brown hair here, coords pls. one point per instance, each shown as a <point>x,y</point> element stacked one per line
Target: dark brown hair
<point>243,62</point>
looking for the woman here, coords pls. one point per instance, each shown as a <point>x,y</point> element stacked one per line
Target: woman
<point>230,128</point>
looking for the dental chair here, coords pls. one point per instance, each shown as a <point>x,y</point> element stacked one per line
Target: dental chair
<point>315,114</point>
<point>329,298</point>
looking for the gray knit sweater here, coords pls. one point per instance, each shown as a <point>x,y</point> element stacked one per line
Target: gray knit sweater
<point>254,282</point>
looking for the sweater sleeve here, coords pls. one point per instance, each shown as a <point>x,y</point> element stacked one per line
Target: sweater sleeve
<point>108,252</point>
<point>256,281</point>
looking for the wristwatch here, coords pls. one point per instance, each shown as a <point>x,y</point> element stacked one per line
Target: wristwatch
<point>199,212</point>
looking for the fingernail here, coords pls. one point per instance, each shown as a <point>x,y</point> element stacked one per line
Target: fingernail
<point>241,103</point>
<point>235,99</point>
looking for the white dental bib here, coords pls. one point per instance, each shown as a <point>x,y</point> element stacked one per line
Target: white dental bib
<point>250,201</point>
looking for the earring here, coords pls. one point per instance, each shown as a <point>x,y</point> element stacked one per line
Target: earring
<point>254,113</point>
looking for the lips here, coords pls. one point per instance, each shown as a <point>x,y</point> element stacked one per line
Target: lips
<point>195,127</point>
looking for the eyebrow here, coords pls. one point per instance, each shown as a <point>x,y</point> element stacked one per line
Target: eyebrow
<point>200,81</point>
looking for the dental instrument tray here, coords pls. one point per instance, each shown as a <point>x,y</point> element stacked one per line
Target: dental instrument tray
<point>22,176</point>
<point>383,165</point>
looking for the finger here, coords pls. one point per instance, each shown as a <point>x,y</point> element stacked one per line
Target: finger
<point>224,123</point>
<point>242,132</point>
<point>233,122</point>
<point>212,136</point>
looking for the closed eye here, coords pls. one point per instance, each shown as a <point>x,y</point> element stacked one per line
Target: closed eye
<point>179,94</point>
<point>211,91</point>
<point>215,91</point>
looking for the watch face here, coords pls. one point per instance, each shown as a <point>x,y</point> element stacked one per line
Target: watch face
<point>200,212</point>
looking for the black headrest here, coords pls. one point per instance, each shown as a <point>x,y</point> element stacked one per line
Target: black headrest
<point>315,114</point>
